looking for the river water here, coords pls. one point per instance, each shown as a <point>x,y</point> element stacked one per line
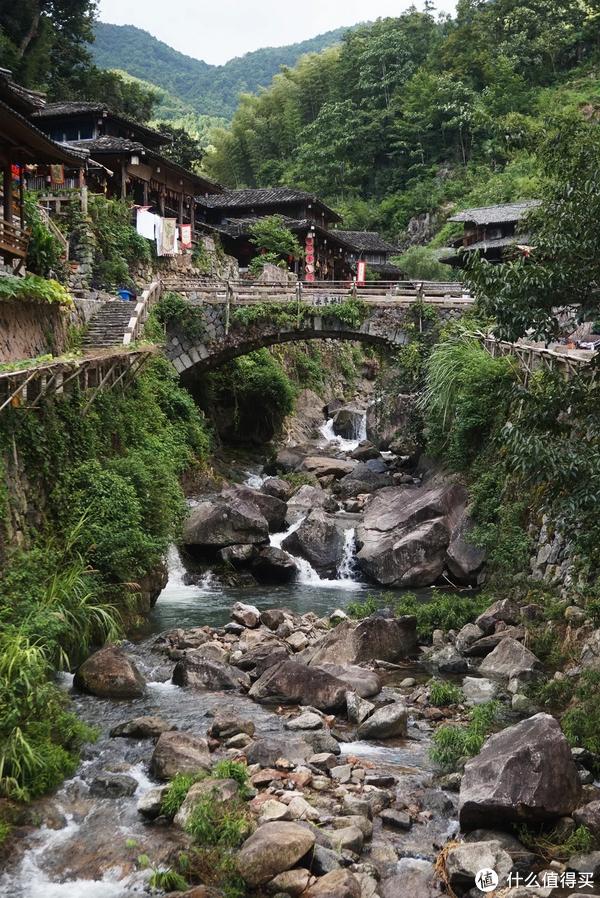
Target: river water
<point>87,847</point>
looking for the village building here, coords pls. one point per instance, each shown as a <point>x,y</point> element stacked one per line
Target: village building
<point>327,255</point>
<point>371,248</point>
<point>23,147</point>
<point>491,231</point>
<point>128,158</point>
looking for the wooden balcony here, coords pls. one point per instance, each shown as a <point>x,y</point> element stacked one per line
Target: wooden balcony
<point>13,240</point>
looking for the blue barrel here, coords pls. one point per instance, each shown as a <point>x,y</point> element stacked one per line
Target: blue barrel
<point>126,295</point>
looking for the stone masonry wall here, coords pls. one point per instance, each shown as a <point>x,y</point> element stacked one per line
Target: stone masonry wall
<point>30,329</point>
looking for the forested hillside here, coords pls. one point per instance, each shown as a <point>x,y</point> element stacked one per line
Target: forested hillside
<point>202,88</point>
<point>412,116</point>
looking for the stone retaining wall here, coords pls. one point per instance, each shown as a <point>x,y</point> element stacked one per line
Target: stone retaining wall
<point>31,329</point>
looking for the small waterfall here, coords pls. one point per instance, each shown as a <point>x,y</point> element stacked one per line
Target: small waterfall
<point>307,576</point>
<point>176,587</point>
<point>328,434</point>
<point>255,480</point>
<point>347,567</point>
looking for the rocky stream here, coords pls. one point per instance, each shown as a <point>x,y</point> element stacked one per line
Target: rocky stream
<point>250,655</point>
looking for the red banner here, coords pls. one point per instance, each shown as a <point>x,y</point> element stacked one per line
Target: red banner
<point>361,272</point>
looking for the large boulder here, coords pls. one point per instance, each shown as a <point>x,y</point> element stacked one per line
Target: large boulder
<point>380,638</point>
<point>205,673</point>
<point>305,500</point>
<point>524,774</point>
<point>463,559</point>
<point>362,480</point>
<point>271,508</point>
<point>464,861</point>
<point>387,722</point>
<point>276,486</point>
<point>510,659</point>
<point>218,790</point>
<point>273,849</point>
<point>109,673</point>
<point>364,682</point>
<point>322,466</point>
<point>337,884</point>
<point>177,752</point>
<point>290,683</point>
<point>405,533</point>
<point>319,541</point>
<point>391,422</point>
<point>272,565</point>
<point>348,422</point>
<point>221,521</point>
<point>142,728</point>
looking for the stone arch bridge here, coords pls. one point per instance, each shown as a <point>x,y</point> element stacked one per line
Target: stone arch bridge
<point>235,323</point>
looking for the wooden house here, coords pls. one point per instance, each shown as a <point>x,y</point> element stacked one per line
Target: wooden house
<point>231,214</point>
<point>372,248</point>
<point>492,231</point>
<point>129,156</point>
<point>22,147</point>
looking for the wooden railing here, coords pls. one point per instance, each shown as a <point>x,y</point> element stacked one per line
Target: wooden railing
<point>319,292</point>
<point>13,239</point>
<point>531,358</point>
<point>54,230</point>
<point>149,298</point>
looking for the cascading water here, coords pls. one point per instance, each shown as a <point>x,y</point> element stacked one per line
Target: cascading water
<point>329,435</point>
<point>308,576</point>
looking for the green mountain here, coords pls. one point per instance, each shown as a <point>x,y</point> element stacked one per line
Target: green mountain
<point>201,88</point>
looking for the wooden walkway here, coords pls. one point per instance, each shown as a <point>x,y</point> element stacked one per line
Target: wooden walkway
<point>90,374</point>
<point>532,357</point>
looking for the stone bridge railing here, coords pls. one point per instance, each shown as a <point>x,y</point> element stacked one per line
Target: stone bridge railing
<point>291,314</point>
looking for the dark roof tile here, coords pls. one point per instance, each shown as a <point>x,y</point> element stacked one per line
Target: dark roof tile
<point>369,241</point>
<point>264,196</point>
<point>507,212</point>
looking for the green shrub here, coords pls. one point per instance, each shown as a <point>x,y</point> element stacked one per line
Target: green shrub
<point>552,847</point>
<point>117,245</point>
<point>219,823</point>
<point>359,610</point>
<point>168,881</point>
<point>34,289</point>
<point>443,693</point>
<point>442,612</point>
<point>453,742</point>
<point>233,770</point>
<point>179,787</point>
<point>581,722</point>
<point>174,310</point>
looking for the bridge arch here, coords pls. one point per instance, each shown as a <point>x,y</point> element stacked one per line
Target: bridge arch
<point>387,324</point>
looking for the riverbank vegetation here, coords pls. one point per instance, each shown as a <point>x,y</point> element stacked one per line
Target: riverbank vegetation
<point>91,500</point>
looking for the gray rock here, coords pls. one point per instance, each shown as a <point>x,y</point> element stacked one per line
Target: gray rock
<point>363,480</point>
<point>347,422</point>
<point>486,644</point>
<point>273,565</point>
<point>463,559</point>
<point>524,774</point>
<point>307,721</point>
<point>324,860</point>
<point>142,728</point>
<point>272,509</point>
<point>447,660</point>
<point>109,673</point>
<point>376,637</point>
<point>305,500</point>
<point>113,785</point>
<point>396,819</point>
<point>510,659</point>
<point>219,791</point>
<point>504,610</point>
<point>248,615</point>
<point>365,682</point>
<point>218,522</point>
<point>586,863</point>
<point>464,862</point>
<point>414,878</point>
<point>291,883</point>
<point>387,722</point>
<point>319,541</point>
<point>589,816</point>
<point>225,725</point>
<point>177,752</point>
<point>469,634</point>
<point>297,684</point>
<point>204,673</point>
<point>273,849</point>
<point>275,486</point>
<point>358,708</point>
<point>405,534</point>
<point>337,884</point>
<point>478,690</point>
<point>321,466</point>
<point>267,752</point>
<point>150,804</point>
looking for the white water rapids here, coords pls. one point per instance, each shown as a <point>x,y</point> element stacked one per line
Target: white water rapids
<point>308,576</point>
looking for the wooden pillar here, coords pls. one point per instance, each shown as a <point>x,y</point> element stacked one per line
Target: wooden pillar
<point>145,188</point>
<point>181,208</point>
<point>7,188</point>
<point>83,191</point>
<point>193,215</point>
<point>161,202</point>
<point>21,197</point>
<point>123,180</point>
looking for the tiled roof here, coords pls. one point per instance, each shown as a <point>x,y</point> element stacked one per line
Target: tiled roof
<point>239,227</point>
<point>83,107</point>
<point>369,241</point>
<point>115,145</point>
<point>484,215</point>
<point>35,144</point>
<point>264,196</point>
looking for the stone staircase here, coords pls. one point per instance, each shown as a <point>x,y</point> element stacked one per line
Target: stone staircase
<point>108,326</point>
